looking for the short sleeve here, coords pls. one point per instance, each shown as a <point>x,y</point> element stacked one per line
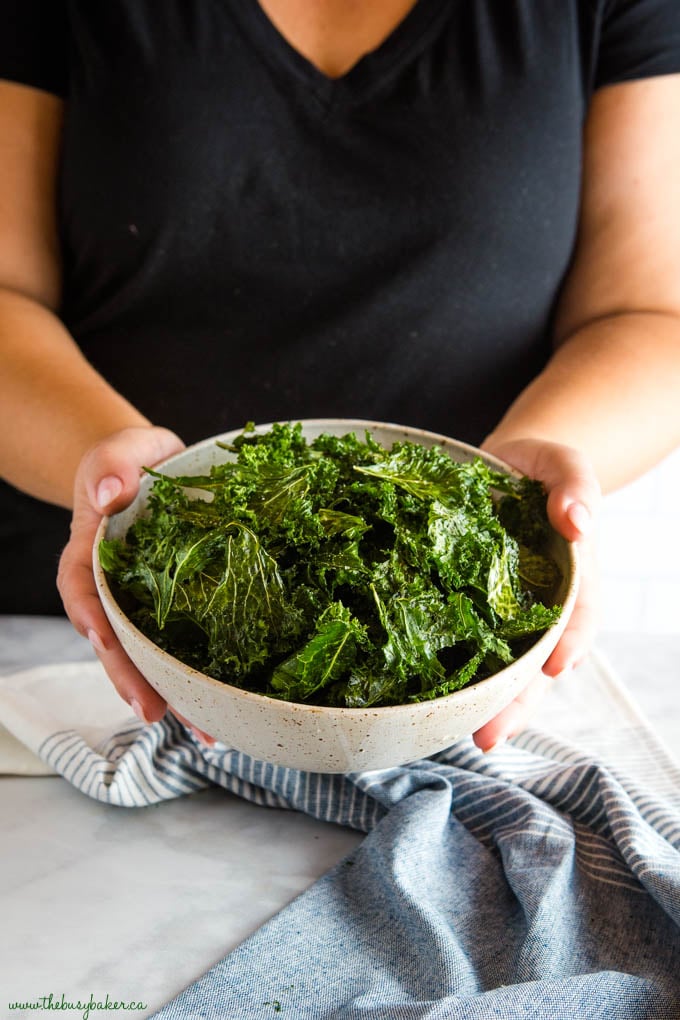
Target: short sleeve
<point>34,43</point>
<point>639,39</point>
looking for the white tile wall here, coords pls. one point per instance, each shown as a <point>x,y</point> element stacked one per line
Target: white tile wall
<point>639,551</point>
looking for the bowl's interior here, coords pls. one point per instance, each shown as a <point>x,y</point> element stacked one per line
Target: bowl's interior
<point>199,458</point>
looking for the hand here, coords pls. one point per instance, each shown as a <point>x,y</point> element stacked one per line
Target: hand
<point>573,502</point>
<point>107,480</point>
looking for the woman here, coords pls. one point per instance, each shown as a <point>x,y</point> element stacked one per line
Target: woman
<point>464,217</point>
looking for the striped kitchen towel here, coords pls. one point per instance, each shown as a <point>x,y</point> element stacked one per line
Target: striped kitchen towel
<point>533,882</point>
<point>527,883</point>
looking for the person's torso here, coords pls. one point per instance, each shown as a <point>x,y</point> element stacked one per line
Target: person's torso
<point>247,239</point>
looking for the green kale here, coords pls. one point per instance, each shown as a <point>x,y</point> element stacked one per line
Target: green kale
<point>338,572</point>
<point>323,659</point>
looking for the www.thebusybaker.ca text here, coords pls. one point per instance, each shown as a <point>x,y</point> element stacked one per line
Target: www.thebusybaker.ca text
<point>82,1006</point>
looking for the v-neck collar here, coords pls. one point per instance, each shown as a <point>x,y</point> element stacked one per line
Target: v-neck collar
<point>407,38</point>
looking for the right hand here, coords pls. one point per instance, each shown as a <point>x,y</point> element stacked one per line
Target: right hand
<point>107,480</point>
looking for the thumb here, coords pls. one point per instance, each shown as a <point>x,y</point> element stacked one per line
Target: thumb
<point>574,500</point>
<point>109,473</point>
<point>572,487</point>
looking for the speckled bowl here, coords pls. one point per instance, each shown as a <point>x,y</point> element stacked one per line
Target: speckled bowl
<point>307,736</point>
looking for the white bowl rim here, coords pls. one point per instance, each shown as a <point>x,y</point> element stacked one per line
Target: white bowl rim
<point>418,707</point>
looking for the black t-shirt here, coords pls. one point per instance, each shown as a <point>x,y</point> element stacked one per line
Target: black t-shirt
<point>246,239</point>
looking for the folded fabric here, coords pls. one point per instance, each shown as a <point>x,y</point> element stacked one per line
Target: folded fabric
<point>528,883</point>
<point>532,882</point>
<point>36,703</point>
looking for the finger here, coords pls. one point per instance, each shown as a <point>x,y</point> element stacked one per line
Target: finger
<point>513,718</point>
<point>83,607</point>
<point>110,471</point>
<point>497,730</point>
<point>131,685</point>
<point>201,734</point>
<point>75,580</point>
<point>573,489</point>
<point>573,502</point>
<point>118,457</point>
<point>573,499</point>
<point>584,621</point>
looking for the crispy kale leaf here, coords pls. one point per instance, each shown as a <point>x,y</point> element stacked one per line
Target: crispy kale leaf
<point>338,572</point>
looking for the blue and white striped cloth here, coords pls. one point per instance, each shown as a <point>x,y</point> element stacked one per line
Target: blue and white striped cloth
<point>533,882</point>
<point>528,883</point>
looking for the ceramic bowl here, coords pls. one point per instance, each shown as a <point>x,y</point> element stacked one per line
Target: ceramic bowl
<point>310,737</point>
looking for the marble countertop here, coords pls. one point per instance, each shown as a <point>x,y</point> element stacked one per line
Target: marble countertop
<point>137,903</point>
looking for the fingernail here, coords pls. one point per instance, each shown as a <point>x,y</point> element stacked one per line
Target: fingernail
<point>107,490</point>
<point>492,747</point>
<point>95,640</point>
<point>200,735</point>
<point>579,515</point>
<point>138,710</point>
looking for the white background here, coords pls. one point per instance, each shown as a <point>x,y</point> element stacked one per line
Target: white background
<point>639,553</point>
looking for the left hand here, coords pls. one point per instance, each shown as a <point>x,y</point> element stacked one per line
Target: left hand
<point>573,502</point>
